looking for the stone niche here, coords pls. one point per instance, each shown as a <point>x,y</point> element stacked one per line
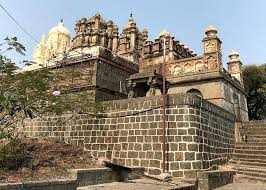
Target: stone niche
<point>200,135</point>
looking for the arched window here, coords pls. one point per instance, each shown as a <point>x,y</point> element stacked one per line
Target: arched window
<point>236,99</point>
<point>195,91</point>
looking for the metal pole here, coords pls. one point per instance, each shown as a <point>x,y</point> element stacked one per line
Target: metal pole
<point>164,105</point>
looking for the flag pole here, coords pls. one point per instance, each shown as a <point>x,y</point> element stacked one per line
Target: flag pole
<point>164,106</point>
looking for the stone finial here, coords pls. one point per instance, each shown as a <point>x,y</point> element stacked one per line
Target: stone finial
<point>233,56</point>
<point>164,34</point>
<point>131,20</point>
<point>181,44</point>
<point>97,14</point>
<point>211,31</point>
<point>186,47</point>
<point>110,23</point>
<point>145,31</point>
<point>145,34</point>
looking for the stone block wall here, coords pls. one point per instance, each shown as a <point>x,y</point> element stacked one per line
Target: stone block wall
<point>200,135</point>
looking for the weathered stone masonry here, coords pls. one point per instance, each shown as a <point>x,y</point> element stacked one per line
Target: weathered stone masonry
<point>200,135</point>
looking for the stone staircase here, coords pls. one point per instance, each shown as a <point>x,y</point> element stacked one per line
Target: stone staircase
<point>249,158</point>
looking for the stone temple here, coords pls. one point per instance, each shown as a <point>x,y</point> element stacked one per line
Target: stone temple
<point>129,64</point>
<point>124,70</point>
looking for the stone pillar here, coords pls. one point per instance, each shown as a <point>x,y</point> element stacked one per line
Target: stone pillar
<point>238,123</point>
<point>131,89</point>
<point>115,38</point>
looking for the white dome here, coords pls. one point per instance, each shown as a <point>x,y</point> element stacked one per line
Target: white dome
<point>60,29</point>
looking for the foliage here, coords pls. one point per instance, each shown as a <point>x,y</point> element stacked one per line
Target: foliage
<point>13,154</point>
<point>255,85</point>
<point>27,94</point>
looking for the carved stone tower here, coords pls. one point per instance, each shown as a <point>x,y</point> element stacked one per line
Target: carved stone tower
<point>212,49</point>
<point>235,66</point>
<point>39,51</point>
<point>58,41</point>
<point>129,41</point>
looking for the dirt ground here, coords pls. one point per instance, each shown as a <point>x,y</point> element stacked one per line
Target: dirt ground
<point>49,160</point>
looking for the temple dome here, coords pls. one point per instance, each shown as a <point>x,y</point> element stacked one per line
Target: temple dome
<point>211,31</point>
<point>233,52</point>
<point>60,29</point>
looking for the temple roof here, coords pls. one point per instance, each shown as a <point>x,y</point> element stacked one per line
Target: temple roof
<point>60,29</point>
<point>97,15</point>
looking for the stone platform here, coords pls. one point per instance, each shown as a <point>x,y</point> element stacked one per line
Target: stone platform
<point>139,184</point>
<point>244,186</point>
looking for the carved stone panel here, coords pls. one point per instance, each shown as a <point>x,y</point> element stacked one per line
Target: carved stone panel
<point>188,68</point>
<point>200,66</point>
<point>211,62</point>
<point>210,47</point>
<point>177,70</point>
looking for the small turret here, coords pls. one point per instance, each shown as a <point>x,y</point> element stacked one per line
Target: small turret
<point>212,49</point>
<point>211,31</point>
<point>235,66</point>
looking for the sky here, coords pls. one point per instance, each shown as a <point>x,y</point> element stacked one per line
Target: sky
<point>241,23</point>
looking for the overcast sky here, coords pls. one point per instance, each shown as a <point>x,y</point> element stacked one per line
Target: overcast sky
<point>241,23</point>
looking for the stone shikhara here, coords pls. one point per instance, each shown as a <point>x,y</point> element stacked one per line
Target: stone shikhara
<point>200,135</point>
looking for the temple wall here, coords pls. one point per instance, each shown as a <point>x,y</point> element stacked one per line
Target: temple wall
<point>210,90</point>
<point>200,135</point>
<point>110,77</point>
<point>228,94</point>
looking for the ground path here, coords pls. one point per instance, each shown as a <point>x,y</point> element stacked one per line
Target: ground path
<point>243,186</point>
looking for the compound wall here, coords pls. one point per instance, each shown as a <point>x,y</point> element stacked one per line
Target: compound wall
<point>200,135</point>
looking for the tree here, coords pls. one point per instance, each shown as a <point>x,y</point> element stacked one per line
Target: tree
<point>28,94</point>
<point>255,85</point>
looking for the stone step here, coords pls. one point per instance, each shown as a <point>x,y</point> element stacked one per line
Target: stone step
<point>253,178</point>
<point>245,147</point>
<point>256,140</point>
<point>250,151</point>
<point>249,160</point>
<point>251,123</point>
<point>249,156</point>
<point>249,168</point>
<point>254,129</point>
<point>258,122</point>
<point>139,184</point>
<point>256,136</point>
<point>252,133</point>
<point>260,163</point>
<point>262,144</point>
<point>251,172</point>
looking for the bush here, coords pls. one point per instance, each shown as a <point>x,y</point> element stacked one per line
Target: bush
<point>13,154</point>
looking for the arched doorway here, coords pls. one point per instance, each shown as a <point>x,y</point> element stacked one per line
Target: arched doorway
<point>195,91</point>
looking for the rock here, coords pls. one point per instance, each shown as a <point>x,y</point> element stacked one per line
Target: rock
<point>165,177</point>
<point>102,160</point>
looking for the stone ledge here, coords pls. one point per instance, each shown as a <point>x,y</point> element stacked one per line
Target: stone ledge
<point>173,100</point>
<point>61,184</point>
<point>81,177</point>
<point>214,179</point>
